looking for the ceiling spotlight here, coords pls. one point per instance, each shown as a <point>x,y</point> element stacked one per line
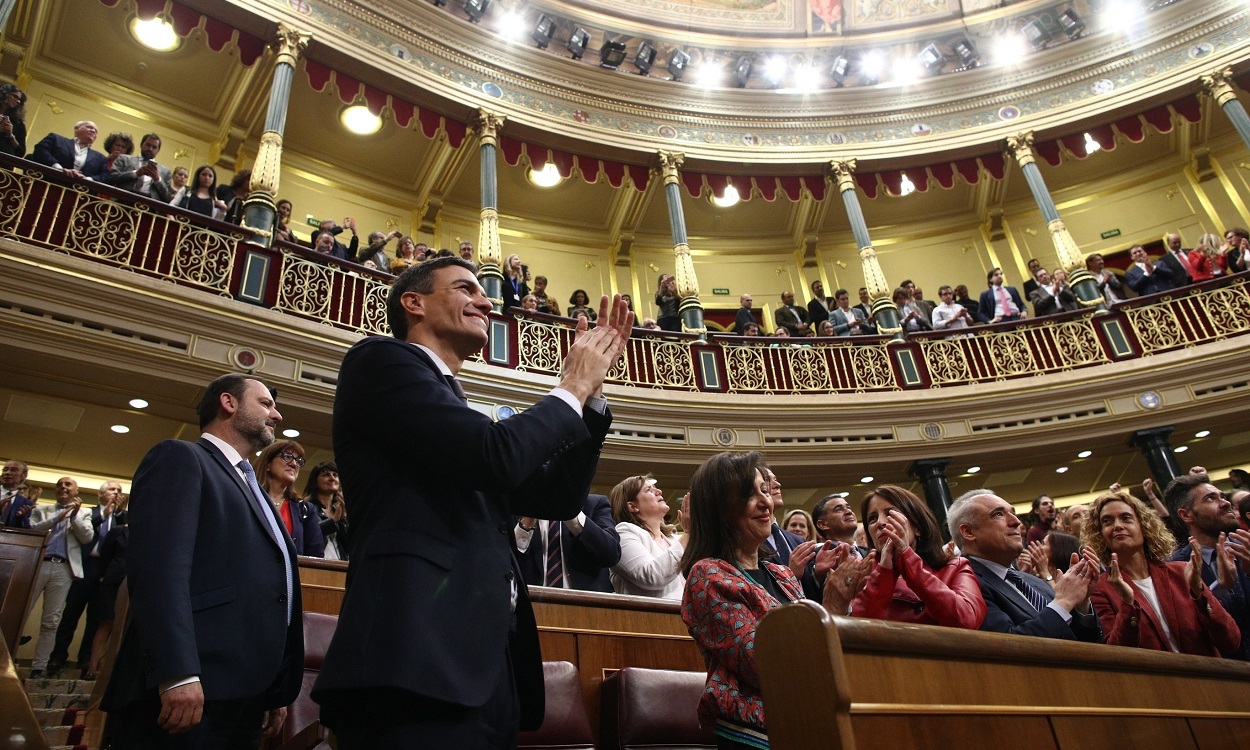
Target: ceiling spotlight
<point>1009,50</point>
<point>548,176</point>
<point>1084,454</point>
<point>1071,23</point>
<point>865,480</point>
<point>840,69</point>
<point>290,433</point>
<point>577,42</point>
<point>359,120</point>
<point>138,403</point>
<point>728,198</point>
<point>709,74</point>
<point>1123,13</point>
<point>475,9</point>
<point>1198,434</point>
<point>872,64</point>
<point>120,429</point>
<point>775,69</point>
<point>645,57</point>
<point>1061,470</point>
<point>906,186</point>
<point>155,34</point>
<point>905,70</point>
<point>1036,32</point>
<point>973,469</point>
<point>543,31</point>
<point>1180,449</point>
<point>967,53</point>
<point>677,63</point>
<point>511,25</point>
<point>806,78</point>
<point>742,71</point>
<point>932,58</point>
<point>612,54</point>
<point>1091,145</point>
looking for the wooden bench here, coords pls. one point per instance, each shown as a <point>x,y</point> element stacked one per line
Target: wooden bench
<point>858,684</point>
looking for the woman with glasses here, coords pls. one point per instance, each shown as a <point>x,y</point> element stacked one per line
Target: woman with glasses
<point>12,120</point>
<point>277,468</point>
<point>324,491</point>
<point>650,562</point>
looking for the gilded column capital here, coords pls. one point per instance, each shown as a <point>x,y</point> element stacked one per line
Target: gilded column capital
<point>267,169</point>
<point>874,277</point>
<point>290,44</point>
<point>687,282</point>
<point>670,162</point>
<point>1021,146</point>
<point>1219,85</point>
<point>843,171</point>
<point>488,124</point>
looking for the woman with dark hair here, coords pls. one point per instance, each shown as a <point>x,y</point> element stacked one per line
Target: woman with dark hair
<point>200,194</point>
<point>12,120</point>
<point>405,256</point>
<point>232,195</point>
<point>667,300</point>
<point>580,304</point>
<point>916,579</point>
<point>1142,599</point>
<point>650,563</point>
<point>729,589</point>
<point>277,468</point>
<point>118,144</point>
<point>325,493</point>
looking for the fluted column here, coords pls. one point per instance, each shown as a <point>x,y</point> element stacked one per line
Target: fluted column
<point>260,207</point>
<point>691,309</point>
<point>884,313</point>
<point>1218,84</point>
<point>489,257</point>
<point>1070,257</point>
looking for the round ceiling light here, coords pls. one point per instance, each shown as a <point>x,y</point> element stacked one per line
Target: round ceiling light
<point>729,198</point>
<point>155,34</point>
<point>120,429</point>
<point>1202,433</point>
<point>359,120</point>
<point>290,433</point>
<point>865,480</point>
<point>1180,449</point>
<point>973,469</point>
<point>1084,454</point>
<point>548,176</point>
<point>138,403</point>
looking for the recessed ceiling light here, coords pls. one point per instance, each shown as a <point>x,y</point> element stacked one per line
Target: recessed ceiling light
<point>290,433</point>
<point>1084,454</point>
<point>1061,470</point>
<point>120,429</point>
<point>1202,433</point>
<point>359,120</point>
<point>155,34</point>
<point>865,480</point>
<point>138,403</point>
<point>1180,449</point>
<point>710,75</point>
<point>548,176</point>
<point>973,469</point>
<point>729,198</point>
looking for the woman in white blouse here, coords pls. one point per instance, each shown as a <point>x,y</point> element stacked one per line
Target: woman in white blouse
<point>650,552</point>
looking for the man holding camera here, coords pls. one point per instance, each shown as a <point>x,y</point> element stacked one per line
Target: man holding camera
<point>141,174</point>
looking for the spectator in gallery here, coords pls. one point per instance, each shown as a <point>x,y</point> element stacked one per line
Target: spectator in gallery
<point>950,315</point>
<point>514,286</point>
<point>73,157</point>
<point>143,174</point>
<point>751,329</point>
<point>530,303</point>
<point>1145,276</point>
<point>466,251</point>
<point>282,226</point>
<point>667,300</point>
<point>405,256</point>
<point>12,120</point>
<point>117,144</point>
<point>234,194</point>
<point>540,293</point>
<point>1108,283</point>
<point>200,196</point>
<point>579,304</point>
<point>817,306</point>
<point>963,300</point>
<point>376,249</point>
<point>178,181</point>
<point>744,316</point>
<point>1236,249</point>
<point>1206,260</point>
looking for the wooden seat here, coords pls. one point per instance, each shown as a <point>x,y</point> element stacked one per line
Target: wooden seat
<point>21,554</point>
<point>853,683</point>
<point>303,730</point>
<point>566,725</point>
<point>654,708</point>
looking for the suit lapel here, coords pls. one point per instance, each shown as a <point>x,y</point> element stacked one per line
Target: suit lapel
<point>248,497</point>
<point>1005,590</point>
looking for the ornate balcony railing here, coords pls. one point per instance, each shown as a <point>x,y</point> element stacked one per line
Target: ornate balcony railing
<point>41,207</point>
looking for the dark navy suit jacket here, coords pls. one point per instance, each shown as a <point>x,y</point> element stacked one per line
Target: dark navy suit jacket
<point>587,556</point>
<point>427,608</point>
<point>207,585</point>
<point>57,149</point>
<point>989,298</point>
<point>1159,281</point>
<point>11,518</point>
<point>1007,611</point>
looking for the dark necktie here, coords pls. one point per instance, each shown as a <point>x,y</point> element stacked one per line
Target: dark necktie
<point>1035,597</point>
<point>780,543</point>
<point>455,386</point>
<point>274,529</point>
<point>555,564</point>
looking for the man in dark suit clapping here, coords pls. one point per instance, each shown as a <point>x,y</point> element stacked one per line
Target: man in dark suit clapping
<point>75,158</point>
<point>215,648</point>
<point>436,645</point>
<point>990,536</point>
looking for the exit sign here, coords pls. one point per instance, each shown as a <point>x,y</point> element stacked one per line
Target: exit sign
<point>1110,233</point>
<point>720,290</point>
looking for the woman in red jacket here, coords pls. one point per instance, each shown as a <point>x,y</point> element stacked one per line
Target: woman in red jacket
<point>916,579</point>
<point>1144,601</point>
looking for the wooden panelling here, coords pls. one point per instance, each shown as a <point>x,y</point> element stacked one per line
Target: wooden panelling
<point>1220,734</point>
<point>891,732</point>
<point>1122,733</point>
